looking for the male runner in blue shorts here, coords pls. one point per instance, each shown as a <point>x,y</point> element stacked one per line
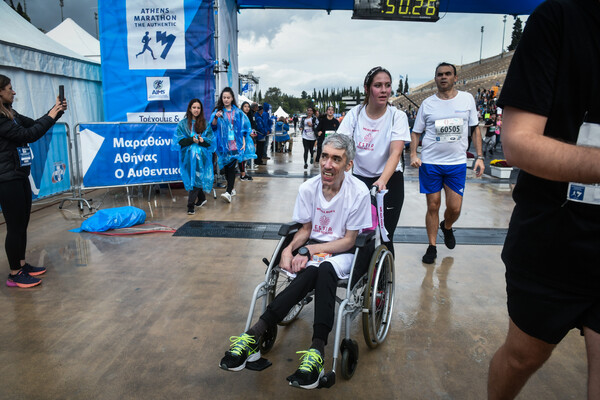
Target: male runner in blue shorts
<point>446,118</point>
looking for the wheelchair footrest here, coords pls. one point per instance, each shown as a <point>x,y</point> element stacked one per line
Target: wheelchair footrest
<point>259,364</point>
<point>327,380</point>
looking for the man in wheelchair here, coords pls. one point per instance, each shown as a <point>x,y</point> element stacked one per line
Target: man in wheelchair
<point>332,208</point>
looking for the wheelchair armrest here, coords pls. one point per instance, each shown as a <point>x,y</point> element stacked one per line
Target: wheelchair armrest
<point>286,229</point>
<point>364,238</point>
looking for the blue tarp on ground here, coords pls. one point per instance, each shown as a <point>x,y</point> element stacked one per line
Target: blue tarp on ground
<point>511,7</point>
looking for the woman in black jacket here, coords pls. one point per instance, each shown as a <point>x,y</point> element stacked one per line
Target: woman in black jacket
<point>16,131</point>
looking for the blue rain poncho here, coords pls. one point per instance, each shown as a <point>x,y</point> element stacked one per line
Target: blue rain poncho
<point>231,131</point>
<point>281,132</point>
<point>195,161</point>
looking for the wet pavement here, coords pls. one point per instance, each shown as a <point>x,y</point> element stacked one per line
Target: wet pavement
<point>149,316</point>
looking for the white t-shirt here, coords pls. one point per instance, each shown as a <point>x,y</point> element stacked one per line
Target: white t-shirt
<point>373,137</point>
<point>349,209</point>
<point>446,125</point>
<point>308,132</point>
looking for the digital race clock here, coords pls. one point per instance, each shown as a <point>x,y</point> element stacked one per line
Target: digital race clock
<point>397,10</point>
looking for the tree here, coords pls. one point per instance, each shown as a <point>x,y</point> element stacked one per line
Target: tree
<point>19,10</point>
<point>516,34</point>
<point>400,87</point>
<point>406,84</point>
<point>273,96</point>
<point>304,95</point>
<point>260,96</point>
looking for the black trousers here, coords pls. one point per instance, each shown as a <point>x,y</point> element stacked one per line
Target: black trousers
<point>15,200</point>
<point>260,150</point>
<point>320,140</point>
<point>323,280</point>
<point>229,171</point>
<point>393,201</point>
<point>309,145</point>
<point>195,193</point>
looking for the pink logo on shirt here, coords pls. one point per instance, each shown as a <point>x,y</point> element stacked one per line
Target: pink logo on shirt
<point>324,220</point>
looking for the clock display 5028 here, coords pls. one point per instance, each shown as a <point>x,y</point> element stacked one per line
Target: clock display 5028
<point>399,10</point>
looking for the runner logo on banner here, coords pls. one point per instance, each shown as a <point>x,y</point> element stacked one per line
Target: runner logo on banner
<point>156,34</point>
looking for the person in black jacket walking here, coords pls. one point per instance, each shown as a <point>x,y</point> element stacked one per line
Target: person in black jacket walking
<point>16,132</point>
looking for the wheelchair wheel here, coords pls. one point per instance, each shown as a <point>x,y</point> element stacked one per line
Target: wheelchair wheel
<point>349,357</point>
<point>279,282</point>
<point>379,297</point>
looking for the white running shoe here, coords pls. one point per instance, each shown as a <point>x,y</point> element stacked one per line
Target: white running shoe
<point>226,197</point>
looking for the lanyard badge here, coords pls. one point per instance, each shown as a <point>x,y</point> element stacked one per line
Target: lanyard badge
<point>25,156</point>
<point>589,135</point>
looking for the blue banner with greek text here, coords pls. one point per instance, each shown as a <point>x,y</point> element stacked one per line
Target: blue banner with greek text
<point>127,154</point>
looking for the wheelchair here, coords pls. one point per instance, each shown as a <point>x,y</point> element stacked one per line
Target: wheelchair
<point>369,291</point>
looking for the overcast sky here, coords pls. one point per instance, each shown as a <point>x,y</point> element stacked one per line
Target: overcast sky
<point>299,50</point>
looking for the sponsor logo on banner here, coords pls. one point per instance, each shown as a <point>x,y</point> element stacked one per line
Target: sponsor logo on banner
<point>59,171</point>
<point>158,88</point>
<point>154,117</point>
<point>156,34</point>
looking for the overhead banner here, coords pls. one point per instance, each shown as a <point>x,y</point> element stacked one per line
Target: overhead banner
<point>227,46</point>
<point>127,154</point>
<point>50,172</point>
<point>157,55</point>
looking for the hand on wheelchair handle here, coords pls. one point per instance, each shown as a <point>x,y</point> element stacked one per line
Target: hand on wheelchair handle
<point>379,185</point>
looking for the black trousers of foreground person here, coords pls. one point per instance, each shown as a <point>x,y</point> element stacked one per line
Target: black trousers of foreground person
<point>15,200</point>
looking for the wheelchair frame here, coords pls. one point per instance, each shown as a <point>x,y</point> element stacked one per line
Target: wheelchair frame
<point>372,295</point>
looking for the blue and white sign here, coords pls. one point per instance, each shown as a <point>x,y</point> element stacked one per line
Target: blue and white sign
<point>50,163</point>
<point>158,88</point>
<point>127,154</point>
<point>156,57</point>
<point>156,34</point>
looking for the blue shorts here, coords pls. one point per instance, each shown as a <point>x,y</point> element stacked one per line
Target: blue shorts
<point>432,177</point>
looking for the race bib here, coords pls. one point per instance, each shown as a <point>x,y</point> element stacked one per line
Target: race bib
<point>448,130</point>
<point>589,135</point>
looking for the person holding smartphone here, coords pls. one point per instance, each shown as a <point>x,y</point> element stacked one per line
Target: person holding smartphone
<point>16,132</point>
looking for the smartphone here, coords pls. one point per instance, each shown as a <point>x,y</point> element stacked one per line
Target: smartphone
<point>61,93</point>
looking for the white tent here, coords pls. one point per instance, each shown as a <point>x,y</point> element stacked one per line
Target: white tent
<point>37,65</point>
<point>242,99</point>
<point>75,38</point>
<point>281,113</point>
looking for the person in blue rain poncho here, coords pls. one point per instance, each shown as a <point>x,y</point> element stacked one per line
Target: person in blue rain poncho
<point>281,135</point>
<point>195,142</point>
<point>232,129</point>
